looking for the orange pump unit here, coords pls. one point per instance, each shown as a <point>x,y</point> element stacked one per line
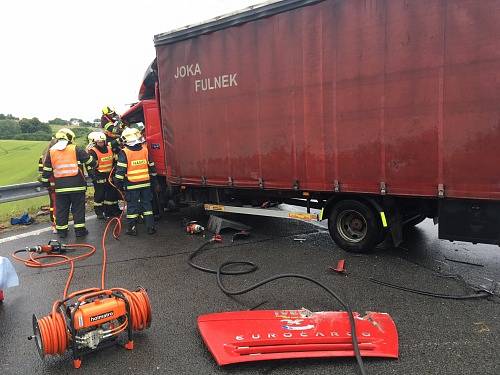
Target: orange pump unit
<point>99,311</point>
<point>89,319</point>
<point>92,319</point>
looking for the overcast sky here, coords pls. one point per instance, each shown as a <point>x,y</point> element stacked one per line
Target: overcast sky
<point>70,58</point>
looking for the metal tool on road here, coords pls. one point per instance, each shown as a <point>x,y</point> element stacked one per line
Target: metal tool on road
<point>193,227</point>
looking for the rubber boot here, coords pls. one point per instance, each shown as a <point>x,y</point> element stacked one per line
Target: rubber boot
<point>99,211</point>
<point>132,230</point>
<point>62,233</point>
<point>81,232</point>
<point>151,230</point>
<point>114,211</point>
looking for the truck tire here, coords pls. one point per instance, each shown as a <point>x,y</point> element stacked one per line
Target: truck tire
<point>354,226</point>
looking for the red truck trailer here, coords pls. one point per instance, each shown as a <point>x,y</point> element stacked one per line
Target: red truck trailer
<point>378,112</point>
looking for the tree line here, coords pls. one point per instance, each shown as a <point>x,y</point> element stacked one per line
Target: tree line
<point>33,129</point>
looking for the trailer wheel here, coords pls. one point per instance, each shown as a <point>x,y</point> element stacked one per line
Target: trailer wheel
<point>354,226</point>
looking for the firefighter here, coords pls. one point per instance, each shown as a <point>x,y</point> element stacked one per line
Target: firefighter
<point>111,124</point>
<point>134,174</point>
<point>65,162</point>
<point>155,190</point>
<point>105,195</point>
<point>51,188</point>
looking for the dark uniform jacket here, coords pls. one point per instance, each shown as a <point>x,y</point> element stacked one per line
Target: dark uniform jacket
<point>120,178</point>
<point>111,130</point>
<point>71,184</point>
<point>93,172</point>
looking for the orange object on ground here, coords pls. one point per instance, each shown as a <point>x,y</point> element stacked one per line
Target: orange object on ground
<point>84,319</point>
<point>340,266</point>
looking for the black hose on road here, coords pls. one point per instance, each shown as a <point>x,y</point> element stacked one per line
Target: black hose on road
<point>252,268</point>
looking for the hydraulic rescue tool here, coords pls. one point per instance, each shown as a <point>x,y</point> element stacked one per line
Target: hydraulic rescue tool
<point>193,227</point>
<point>88,319</point>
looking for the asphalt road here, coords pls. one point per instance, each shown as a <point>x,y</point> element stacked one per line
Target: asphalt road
<point>436,336</point>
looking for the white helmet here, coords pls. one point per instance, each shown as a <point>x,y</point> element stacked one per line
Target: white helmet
<point>96,137</point>
<point>131,135</point>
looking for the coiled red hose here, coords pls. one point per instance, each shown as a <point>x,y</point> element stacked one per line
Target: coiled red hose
<point>54,334</point>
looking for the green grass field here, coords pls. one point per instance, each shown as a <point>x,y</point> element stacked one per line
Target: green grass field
<point>19,163</point>
<point>17,208</point>
<point>19,160</point>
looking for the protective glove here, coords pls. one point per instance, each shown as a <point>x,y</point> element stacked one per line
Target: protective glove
<point>117,127</point>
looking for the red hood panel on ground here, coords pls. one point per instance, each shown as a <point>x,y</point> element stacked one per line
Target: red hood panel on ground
<point>245,336</point>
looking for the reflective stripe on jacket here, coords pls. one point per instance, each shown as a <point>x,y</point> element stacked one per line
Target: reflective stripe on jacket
<point>64,162</point>
<point>137,165</point>
<point>104,160</point>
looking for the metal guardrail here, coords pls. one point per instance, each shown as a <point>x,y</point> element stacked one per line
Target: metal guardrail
<point>17,192</point>
<point>11,193</point>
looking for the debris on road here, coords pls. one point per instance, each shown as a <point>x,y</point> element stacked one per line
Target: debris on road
<point>483,327</point>
<point>464,262</point>
<point>216,224</point>
<point>193,227</point>
<point>231,336</point>
<point>340,267</point>
<point>477,294</point>
<point>23,220</point>
<point>240,235</point>
<point>44,210</point>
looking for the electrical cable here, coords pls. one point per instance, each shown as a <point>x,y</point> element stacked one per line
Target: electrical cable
<point>220,271</point>
<point>479,294</point>
<point>252,266</point>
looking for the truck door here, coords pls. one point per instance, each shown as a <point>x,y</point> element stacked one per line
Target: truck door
<point>154,136</point>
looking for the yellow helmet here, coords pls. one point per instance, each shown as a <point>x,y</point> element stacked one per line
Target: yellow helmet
<point>131,134</point>
<point>107,110</point>
<point>65,133</point>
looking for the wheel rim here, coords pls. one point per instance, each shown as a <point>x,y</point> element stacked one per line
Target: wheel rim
<point>351,225</point>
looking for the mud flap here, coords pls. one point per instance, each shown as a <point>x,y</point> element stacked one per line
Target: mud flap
<point>395,222</point>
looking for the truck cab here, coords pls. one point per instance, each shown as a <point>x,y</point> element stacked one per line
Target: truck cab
<point>147,112</point>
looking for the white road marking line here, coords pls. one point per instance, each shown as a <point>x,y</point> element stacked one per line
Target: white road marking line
<point>35,232</point>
